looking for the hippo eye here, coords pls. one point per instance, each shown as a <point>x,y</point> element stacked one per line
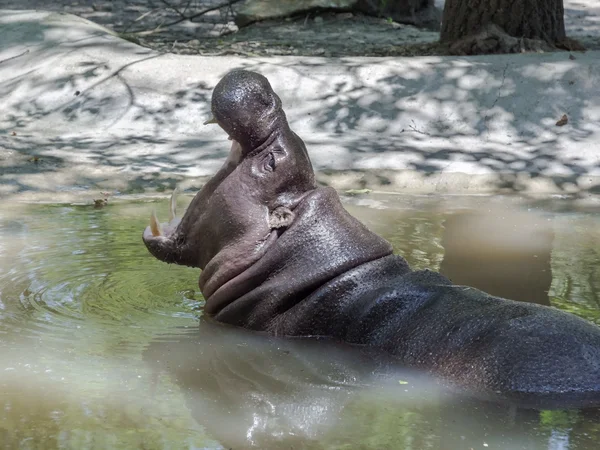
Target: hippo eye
<point>270,163</point>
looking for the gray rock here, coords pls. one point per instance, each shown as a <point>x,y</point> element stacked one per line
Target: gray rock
<point>257,10</point>
<point>344,16</point>
<point>417,12</point>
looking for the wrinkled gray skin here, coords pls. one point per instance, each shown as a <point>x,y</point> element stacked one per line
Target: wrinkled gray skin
<point>280,255</point>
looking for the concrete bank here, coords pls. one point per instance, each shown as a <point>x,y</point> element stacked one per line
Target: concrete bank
<point>82,110</point>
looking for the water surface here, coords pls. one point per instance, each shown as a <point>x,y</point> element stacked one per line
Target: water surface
<point>103,347</point>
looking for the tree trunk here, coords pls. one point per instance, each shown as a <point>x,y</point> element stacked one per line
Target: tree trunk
<point>494,26</point>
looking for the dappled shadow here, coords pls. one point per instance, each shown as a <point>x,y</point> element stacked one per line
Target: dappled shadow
<point>490,116</point>
<point>126,16</point>
<point>582,21</point>
<point>73,117</point>
<point>83,108</point>
<point>93,163</point>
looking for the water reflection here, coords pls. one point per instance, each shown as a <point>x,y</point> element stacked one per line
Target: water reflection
<point>256,391</point>
<point>249,389</point>
<point>576,265</point>
<point>94,351</point>
<point>503,252</point>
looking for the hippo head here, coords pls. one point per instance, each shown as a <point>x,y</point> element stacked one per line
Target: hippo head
<point>261,217</point>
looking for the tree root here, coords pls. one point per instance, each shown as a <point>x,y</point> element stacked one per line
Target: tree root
<point>570,45</point>
<point>492,39</point>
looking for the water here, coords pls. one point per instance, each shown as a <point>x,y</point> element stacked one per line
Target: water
<point>100,346</point>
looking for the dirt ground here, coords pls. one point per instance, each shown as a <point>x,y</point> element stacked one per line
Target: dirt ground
<point>152,23</point>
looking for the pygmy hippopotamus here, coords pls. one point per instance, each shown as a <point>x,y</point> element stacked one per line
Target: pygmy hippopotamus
<point>280,255</point>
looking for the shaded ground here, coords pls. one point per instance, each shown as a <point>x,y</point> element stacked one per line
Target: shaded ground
<point>84,110</point>
<point>316,34</point>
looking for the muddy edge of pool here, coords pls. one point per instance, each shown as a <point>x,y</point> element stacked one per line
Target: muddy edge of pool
<point>85,111</point>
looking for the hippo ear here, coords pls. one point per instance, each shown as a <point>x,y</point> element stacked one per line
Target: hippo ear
<point>281,217</point>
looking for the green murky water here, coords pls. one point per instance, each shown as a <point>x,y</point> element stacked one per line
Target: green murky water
<point>100,346</point>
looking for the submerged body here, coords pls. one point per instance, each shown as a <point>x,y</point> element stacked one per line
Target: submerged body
<point>281,255</point>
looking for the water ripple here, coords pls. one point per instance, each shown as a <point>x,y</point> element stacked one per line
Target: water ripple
<point>67,271</point>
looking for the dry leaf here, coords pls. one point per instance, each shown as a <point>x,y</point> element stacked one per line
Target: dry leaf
<point>562,121</point>
<point>100,202</point>
<point>14,133</point>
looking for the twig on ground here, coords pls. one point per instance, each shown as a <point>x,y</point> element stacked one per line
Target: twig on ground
<point>187,6</point>
<point>195,15</point>
<point>13,57</point>
<point>174,8</point>
<point>414,128</point>
<point>147,13</point>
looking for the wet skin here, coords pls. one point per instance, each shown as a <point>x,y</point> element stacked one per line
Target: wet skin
<point>280,255</point>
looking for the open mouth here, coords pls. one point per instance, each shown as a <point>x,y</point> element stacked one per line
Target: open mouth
<point>156,230</point>
<point>159,237</point>
<point>251,202</point>
<point>171,241</point>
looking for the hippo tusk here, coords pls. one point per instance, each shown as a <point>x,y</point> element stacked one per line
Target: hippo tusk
<point>155,225</point>
<point>173,205</point>
<point>211,120</point>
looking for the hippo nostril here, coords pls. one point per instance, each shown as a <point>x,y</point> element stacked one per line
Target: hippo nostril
<point>180,241</point>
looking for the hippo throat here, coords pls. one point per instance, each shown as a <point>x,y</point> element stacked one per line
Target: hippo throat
<point>295,265</point>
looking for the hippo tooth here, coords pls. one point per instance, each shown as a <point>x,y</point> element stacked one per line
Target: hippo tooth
<point>173,205</point>
<point>211,120</point>
<point>155,225</point>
